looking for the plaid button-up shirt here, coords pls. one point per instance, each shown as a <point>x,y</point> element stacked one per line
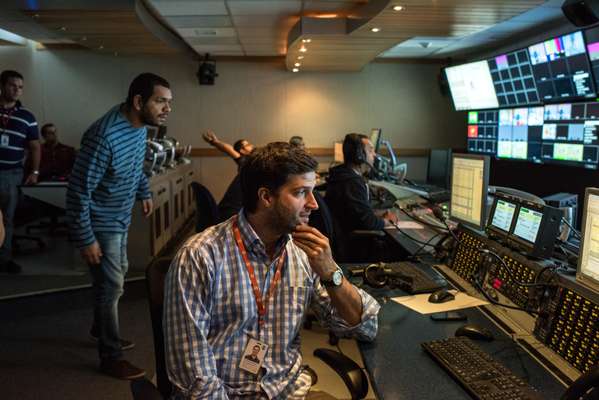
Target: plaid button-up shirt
<point>210,313</point>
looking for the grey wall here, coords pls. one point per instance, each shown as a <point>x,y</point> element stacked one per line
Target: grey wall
<point>260,101</point>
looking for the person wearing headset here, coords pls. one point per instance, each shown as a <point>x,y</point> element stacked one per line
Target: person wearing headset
<point>348,196</point>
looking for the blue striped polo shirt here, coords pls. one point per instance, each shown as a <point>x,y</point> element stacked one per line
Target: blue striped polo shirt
<point>17,127</point>
<point>107,178</point>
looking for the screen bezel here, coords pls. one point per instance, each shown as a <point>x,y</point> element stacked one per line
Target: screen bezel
<point>494,229</point>
<point>531,206</point>
<point>486,168</point>
<point>580,277</point>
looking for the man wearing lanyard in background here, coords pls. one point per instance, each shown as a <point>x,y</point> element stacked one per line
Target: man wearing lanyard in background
<point>242,287</point>
<point>18,130</point>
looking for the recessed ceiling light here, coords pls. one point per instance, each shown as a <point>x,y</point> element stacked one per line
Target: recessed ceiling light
<point>295,69</point>
<point>306,40</point>
<point>300,57</point>
<point>303,49</point>
<point>375,30</point>
<point>398,8</point>
<point>297,64</point>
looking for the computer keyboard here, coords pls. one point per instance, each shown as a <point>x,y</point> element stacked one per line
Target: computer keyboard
<point>481,375</point>
<point>411,278</point>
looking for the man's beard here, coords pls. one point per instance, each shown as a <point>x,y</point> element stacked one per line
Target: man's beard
<point>282,221</point>
<point>147,118</point>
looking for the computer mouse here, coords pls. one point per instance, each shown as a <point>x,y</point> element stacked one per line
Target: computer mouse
<point>475,332</point>
<point>441,296</point>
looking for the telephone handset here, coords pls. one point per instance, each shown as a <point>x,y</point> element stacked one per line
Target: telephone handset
<point>586,387</point>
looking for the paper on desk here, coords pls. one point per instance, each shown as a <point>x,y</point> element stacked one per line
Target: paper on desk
<point>409,225</point>
<point>420,303</point>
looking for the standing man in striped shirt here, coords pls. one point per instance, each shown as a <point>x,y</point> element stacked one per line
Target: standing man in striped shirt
<point>106,180</point>
<point>236,293</point>
<point>18,132</point>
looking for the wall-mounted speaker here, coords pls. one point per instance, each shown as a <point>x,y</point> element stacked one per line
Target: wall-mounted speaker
<point>581,12</point>
<point>207,71</point>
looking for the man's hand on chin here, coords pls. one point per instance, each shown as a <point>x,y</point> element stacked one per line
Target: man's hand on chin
<point>317,248</point>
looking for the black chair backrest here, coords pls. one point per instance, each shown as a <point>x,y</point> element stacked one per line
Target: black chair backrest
<point>322,219</point>
<point>155,276</point>
<point>206,209</point>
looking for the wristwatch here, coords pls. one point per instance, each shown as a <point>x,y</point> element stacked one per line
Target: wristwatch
<point>335,281</point>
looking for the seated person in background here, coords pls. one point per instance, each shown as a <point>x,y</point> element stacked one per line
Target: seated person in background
<point>215,310</point>
<point>57,159</point>
<point>348,196</point>
<point>230,204</point>
<point>297,141</point>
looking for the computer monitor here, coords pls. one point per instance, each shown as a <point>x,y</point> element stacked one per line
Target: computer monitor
<point>469,183</point>
<point>338,154</point>
<point>471,86</point>
<point>536,229</point>
<point>375,138</point>
<point>439,162</point>
<point>588,260</point>
<point>502,214</point>
<point>528,222</point>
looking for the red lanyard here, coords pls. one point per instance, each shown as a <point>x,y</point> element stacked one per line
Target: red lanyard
<point>261,303</point>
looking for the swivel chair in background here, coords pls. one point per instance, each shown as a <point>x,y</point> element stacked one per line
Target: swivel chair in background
<point>142,389</point>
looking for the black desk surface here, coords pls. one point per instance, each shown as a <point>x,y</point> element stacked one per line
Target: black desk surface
<point>399,368</point>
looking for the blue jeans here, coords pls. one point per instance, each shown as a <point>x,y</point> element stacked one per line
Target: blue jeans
<point>9,197</point>
<point>108,280</point>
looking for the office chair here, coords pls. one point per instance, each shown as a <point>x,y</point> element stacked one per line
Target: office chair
<point>142,389</point>
<point>206,209</point>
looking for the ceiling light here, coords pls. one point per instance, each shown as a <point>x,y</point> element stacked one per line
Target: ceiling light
<point>303,49</point>
<point>398,8</point>
<point>326,16</point>
<point>375,30</point>
<point>300,57</point>
<point>297,64</point>
<point>295,69</point>
<point>306,40</point>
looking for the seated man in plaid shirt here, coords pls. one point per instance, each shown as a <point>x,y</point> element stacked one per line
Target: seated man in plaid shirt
<point>243,287</point>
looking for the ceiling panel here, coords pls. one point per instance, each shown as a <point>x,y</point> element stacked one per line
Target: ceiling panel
<point>265,7</point>
<point>193,41</point>
<point>207,32</point>
<point>190,7</point>
<point>197,21</point>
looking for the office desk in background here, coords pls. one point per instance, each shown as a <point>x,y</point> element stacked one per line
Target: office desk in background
<point>399,368</point>
<point>53,193</point>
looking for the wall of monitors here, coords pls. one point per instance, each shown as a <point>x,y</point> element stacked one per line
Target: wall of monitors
<point>544,110</point>
<point>554,133</point>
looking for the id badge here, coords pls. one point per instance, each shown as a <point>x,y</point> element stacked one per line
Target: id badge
<point>4,140</point>
<point>253,356</point>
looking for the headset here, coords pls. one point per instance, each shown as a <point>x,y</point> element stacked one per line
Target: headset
<point>353,149</point>
<point>378,275</point>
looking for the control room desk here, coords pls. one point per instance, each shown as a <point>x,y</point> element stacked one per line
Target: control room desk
<point>399,369</point>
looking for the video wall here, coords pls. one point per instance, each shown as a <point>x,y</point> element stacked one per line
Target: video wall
<point>537,104</point>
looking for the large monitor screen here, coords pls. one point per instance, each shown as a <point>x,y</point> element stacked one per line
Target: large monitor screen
<point>469,183</point>
<point>519,133</point>
<point>527,224</point>
<point>503,215</point>
<point>482,131</point>
<point>471,86</point>
<point>588,260</point>
<point>561,68</point>
<point>592,40</point>
<point>513,79</point>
